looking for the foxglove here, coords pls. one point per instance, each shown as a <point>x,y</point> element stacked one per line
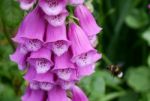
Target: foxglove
<point>56,39</point>
<point>32,30</point>
<point>41,60</point>
<point>83,53</point>
<point>56,49</point>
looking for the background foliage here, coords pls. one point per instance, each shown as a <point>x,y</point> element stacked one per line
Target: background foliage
<point>125,40</point>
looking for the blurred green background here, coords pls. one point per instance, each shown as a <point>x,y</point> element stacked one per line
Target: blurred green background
<point>125,39</point>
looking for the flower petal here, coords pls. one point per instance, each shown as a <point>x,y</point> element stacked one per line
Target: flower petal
<point>52,7</point>
<point>20,56</point>
<point>31,31</point>
<point>57,20</point>
<point>56,39</point>
<point>76,2</point>
<point>87,21</point>
<point>57,94</point>
<point>26,4</point>
<point>41,60</point>
<point>78,94</point>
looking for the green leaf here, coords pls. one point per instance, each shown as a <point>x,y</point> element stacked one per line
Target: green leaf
<point>98,86</point>
<point>94,86</point>
<point>110,79</point>
<point>7,93</point>
<point>146,36</point>
<point>10,12</point>
<point>129,96</point>
<point>137,19</point>
<point>148,96</point>
<point>139,79</point>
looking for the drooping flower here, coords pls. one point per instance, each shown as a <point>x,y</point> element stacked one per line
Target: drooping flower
<point>56,39</point>
<point>57,20</point>
<point>57,94</point>
<point>34,95</point>
<point>32,30</point>
<point>64,68</point>
<point>26,4</point>
<point>83,53</point>
<point>41,60</point>
<point>78,94</point>
<point>52,7</point>
<point>76,2</point>
<point>20,56</point>
<point>39,81</point>
<point>86,20</point>
<point>46,81</point>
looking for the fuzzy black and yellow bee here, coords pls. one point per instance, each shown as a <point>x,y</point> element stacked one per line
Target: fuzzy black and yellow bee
<point>115,70</point>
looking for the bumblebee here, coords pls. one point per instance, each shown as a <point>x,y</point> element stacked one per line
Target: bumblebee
<point>115,70</point>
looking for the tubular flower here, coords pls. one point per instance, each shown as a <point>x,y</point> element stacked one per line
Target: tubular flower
<point>56,51</point>
<point>83,53</point>
<point>86,20</point>
<point>56,39</point>
<point>64,68</point>
<point>32,30</point>
<point>41,60</point>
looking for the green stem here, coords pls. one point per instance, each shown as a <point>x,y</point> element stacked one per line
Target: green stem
<point>106,59</point>
<point>112,96</point>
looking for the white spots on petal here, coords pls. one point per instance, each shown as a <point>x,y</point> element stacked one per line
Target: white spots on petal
<point>52,3</point>
<point>33,45</point>
<point>42,65</point>
<point>83,60</point>
<point>64,74</point>
<point>34,85</point>
<point>46,86</point>
<point>23,49</point>
<point>56,20</point>
<point>59,47</point>
<point>66,85</point>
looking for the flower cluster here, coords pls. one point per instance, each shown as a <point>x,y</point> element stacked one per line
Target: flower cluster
<point>54,50</point>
